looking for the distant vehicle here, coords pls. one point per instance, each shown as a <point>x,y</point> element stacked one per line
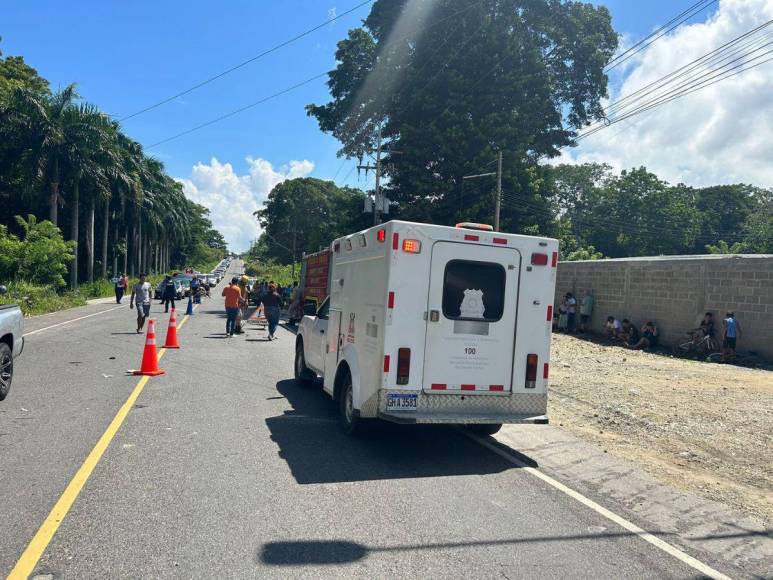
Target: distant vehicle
<point>11,342</point>
<point>185,282</point>
<point>433,324</point>
<point>159,291</point>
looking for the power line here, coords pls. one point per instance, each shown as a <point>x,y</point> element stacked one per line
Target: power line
<point>279,93</point>
<point>239,110</point>
<point>658,34</point>
<point>248,61</point>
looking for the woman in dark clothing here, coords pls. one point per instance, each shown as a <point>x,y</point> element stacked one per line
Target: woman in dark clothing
<point>272,303</point>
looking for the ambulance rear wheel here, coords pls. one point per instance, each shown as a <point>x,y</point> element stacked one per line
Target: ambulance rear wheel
<point>350,422</point>
<point>490,429</point>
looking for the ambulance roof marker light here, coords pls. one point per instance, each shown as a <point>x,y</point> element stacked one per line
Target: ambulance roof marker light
<point>381,235</point>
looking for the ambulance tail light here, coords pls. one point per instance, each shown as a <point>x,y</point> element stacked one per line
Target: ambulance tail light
<point>532,362</point>
<point>412,246</point>
<point>403,366</point>
<point>381,235</point>
<point>539,259</point>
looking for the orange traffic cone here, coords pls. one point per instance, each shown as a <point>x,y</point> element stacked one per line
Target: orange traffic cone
<point>149,357</point>
<point>171,332</point>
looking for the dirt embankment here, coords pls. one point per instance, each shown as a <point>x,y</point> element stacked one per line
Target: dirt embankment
<point>703,427</point>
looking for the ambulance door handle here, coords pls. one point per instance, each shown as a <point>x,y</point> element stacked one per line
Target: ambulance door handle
<point>434,316</point>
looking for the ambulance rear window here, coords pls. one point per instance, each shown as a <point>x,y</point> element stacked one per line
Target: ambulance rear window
<point>474,291</point>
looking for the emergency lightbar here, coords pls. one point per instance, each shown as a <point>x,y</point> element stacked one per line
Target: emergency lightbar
<point>474,226</point>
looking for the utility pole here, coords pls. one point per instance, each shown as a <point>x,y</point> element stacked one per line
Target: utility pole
<point>377,203</point>
<point>294,241</point>
<point>498,202</point>
<point>499,193</point>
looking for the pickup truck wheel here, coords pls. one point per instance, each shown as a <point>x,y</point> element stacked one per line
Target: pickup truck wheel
<point>490,429</point>
<point>6,370</point>
<point>350,422</point>
<point>303,375</point>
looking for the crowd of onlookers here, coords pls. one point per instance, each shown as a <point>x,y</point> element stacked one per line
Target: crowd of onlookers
<point>644,337</point>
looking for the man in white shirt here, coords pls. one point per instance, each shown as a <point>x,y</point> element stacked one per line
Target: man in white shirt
<point>612,328</point>
<point>141,293</point>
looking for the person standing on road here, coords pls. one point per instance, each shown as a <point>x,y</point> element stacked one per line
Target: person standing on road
<point>233,302</point>
<point>196,290</point>
<point>121,284</point>
<point>272,303</point>
<point>141,297</point>
<point>169,293</point>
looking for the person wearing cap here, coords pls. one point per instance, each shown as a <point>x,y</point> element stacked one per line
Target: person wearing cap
<point>272,303</point>
<point>233,302</point>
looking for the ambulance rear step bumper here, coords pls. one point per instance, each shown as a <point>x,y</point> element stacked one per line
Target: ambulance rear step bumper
<point>412,418</point>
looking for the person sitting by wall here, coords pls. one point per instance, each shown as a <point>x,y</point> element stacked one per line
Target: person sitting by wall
<point>649,337</point>
<point>629,334</point>
<point>706,328</point>
<point>612,328</point>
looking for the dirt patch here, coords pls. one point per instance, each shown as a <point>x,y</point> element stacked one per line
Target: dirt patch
<point>703,427</point>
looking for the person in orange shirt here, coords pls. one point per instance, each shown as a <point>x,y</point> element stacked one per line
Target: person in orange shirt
<point>233,302</point>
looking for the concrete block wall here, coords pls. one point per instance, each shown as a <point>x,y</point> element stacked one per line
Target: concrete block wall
<point>675,292</point>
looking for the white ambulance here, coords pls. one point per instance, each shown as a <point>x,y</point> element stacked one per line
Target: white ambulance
<point>434,324</point>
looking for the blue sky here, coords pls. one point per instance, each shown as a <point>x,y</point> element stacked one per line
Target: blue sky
<point>127,55</point>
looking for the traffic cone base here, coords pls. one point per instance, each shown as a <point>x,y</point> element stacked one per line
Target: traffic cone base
<point>171,332</point>
<point>149,365</point>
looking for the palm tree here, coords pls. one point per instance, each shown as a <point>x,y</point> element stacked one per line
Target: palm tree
<point>43,120</point>
<point>84,129</point>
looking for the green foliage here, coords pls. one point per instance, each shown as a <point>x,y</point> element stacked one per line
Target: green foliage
<point>722,247</point>
<point>34,299</point>
<point>282,274</point>
<point>758,229</point>
<point>40,256</point>
<point>452,82</point>
<point>309,214</point>
<point>637,214</point>
<point>57,152</point>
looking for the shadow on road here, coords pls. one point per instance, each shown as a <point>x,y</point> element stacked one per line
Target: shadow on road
<point>316,450</point>
<point>332,552</point>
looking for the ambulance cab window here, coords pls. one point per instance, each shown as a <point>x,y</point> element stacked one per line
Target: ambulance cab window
<point>324,310</point>
<point>474,291</point>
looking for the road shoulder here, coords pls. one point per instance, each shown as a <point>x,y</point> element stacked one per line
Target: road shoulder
<point>702,527</point>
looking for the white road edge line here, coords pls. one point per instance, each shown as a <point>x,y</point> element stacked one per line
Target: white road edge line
<point>69,321</point>
<point>620,521</point>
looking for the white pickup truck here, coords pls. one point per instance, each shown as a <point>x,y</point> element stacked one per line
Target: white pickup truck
<point>11,342</point>
<point>434,324</point>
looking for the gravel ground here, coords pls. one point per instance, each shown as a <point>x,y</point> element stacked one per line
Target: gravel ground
<point>706,428</point>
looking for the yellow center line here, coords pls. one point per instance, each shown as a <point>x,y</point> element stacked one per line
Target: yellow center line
<point>42,538</point>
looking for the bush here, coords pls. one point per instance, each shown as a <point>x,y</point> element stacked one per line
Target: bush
<point>40,257</point>
<point>279,273</point>
<point>35,299</point>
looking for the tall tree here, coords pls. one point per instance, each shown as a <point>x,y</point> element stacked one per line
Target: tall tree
<point>453,82</point>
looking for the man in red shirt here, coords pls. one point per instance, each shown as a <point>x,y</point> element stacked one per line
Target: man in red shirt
<point>233,301</point>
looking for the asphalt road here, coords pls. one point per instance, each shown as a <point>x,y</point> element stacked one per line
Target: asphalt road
<point>224,468</point>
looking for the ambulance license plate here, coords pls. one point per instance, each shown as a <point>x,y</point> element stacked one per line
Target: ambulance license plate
<point>402,401</point>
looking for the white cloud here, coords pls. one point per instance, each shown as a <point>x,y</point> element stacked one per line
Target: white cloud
<point>717,135</point>
<point>232,199</point>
